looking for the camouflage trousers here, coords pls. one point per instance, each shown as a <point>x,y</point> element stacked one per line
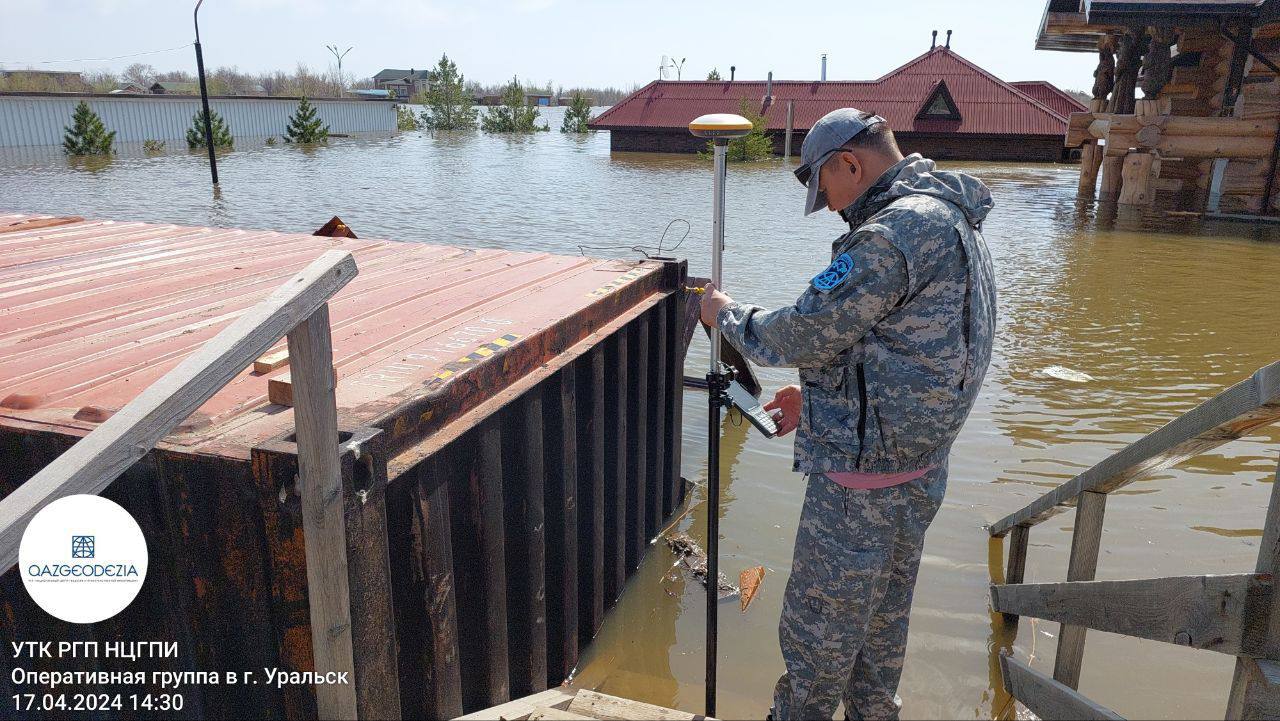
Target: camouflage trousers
<point>847,605</point>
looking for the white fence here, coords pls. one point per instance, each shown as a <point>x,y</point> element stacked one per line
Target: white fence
<point>32,120</point>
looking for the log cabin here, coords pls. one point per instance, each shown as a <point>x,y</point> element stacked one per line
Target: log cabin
<point>1202,136</point>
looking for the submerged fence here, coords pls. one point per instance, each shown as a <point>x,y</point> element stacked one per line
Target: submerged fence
<point>35,119</point>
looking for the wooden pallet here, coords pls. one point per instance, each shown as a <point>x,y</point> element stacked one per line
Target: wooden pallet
<point>570,705</point>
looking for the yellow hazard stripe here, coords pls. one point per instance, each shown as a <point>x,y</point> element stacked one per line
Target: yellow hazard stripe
<point>480,353</point>
<point>616,283</point>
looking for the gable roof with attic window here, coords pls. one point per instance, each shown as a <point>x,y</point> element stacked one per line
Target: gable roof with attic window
<point>985,104</point>
<point>939,105</point>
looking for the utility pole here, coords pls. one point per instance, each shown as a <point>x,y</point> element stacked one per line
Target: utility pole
<point>204,99</point>
<point>339,55</point>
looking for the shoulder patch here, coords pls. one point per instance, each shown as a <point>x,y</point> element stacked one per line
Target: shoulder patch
<point>835,273</point>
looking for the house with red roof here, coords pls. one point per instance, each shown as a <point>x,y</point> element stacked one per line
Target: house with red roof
<point>938,104</point>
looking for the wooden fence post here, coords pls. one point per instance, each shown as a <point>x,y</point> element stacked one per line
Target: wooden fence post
<point>328,591</point>
<point>1086,540</point>
<point>1255,689</point>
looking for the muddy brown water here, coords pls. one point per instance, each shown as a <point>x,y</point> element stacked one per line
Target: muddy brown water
<point>1161,312</point>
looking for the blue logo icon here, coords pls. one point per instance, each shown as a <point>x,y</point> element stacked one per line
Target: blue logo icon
<point>834,274</point>
<point>82,546</point>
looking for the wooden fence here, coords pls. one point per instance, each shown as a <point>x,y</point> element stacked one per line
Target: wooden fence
<point>1234,614</point>
<point>298,309</point>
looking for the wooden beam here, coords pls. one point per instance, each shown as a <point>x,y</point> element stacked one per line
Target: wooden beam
<point>1206,612</point>
<point>519,709</point>
<point>280,390</point>
<point>1233,413</point>
<point>1086,540</point>
<point>271,361</point>
<point>323,522</point>
<point>545,713</point>
<point>1047,698</point>
<point>1202,147</point>
<point>1017,567</point>
<point>1255,690</point>
<point>100,457</point>
<point>601,706</point>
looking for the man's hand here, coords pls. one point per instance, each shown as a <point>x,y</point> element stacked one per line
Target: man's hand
<point>712,301</point>
<point>787,400</point>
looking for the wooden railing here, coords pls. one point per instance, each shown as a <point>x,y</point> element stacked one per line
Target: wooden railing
<point>1233,614</point>
<point>298,309</point>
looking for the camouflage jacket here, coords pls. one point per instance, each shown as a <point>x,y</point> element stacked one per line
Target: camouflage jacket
<point>893,339</point>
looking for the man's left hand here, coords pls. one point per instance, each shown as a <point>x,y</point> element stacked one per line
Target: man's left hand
<point>712,301</point>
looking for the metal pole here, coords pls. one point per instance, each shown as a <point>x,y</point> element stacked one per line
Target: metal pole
<point>717,382</point>
<point>204,99</point>
<point>786,143</point>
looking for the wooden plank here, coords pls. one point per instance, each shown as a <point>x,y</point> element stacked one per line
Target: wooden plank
<point>1047,698</point>
<point>637,439</point>
<point>323,523</point>
<point>615,520</point>
<point>657,443</point>
<point>280,390</point>
<point>554,714</point>
<point>1206,612</point>
<point>1232,414</point>
<point>100,457</point>
<point>1017,567</point>
<point>271,361</point>
<point>1255,692</point>
<point>562,525</point>
<point>521,708</point>
<point>591,463</point>
<point>523,493</point>
<point>602,706</point>
<point>1086,540</point>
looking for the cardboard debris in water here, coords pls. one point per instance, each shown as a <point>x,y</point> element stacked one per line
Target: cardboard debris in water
<point>749,582</point>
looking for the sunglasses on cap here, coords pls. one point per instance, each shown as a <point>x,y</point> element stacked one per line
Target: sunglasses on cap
<point>805,172</point>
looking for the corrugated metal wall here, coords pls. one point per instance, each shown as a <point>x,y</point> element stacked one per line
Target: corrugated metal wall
<point>30,120</point>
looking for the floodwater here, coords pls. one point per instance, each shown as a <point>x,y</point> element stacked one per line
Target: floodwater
<point>1160,312</point>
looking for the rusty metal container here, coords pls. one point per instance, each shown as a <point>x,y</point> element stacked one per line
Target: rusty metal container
<point>511,441</point>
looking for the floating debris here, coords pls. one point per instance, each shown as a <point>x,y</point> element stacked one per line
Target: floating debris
<point>689,553</point>
<point>1066,374</point>
<point>749,581</point>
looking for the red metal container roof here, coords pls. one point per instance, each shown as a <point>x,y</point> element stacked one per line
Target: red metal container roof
<point>92,312</point>
<point>1051,96</point>
<point>988,105</point>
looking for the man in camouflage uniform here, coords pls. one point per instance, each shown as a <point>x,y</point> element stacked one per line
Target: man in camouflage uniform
<point>892,342</point>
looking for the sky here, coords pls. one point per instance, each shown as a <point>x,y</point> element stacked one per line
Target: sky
<point>592,43</point>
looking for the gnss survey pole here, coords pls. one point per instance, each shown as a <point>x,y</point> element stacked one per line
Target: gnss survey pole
<point>720,127</point>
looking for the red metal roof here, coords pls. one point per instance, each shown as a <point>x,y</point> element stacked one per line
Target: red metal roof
<point>1057,99</point>
<point>92,312</point>
<point>988,105</point>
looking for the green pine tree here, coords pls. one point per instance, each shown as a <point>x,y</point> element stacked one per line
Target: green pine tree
<point>306,126</point>
<point>449,106</point>
<point>221,131</point>
<point>514,115</point>
<point>87,135</point>
<point>714,74</point>
<point>753,146</point>
<point>577,116</point>
<point>406,119</point>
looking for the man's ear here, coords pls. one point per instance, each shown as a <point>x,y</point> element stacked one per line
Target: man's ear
<point>855,163</point>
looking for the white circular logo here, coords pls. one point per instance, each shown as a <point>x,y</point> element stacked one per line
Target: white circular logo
<point>83,559</point>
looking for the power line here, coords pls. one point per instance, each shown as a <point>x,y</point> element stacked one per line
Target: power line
<point>94,60</point>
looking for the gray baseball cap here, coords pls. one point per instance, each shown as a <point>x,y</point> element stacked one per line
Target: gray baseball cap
<point>824,140</point>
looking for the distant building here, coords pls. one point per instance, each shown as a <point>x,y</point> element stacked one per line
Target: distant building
<point>403,84</point>
<point>55,81</point>
<point>568,100</point>
<point>169,87</point>
<point>938,104</point>
<point>256,90</point>
<point>130,89</point>
<point>539,99</point>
